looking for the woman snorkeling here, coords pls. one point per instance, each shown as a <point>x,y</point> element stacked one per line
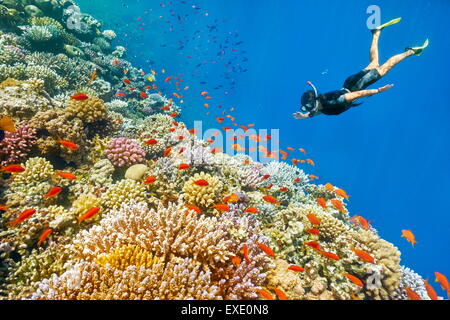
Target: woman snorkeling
<point>338,101</point>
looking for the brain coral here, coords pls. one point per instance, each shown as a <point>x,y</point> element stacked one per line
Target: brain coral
<point>124,152</point>
<point>141,253</point>
<point>203,196</point>
<point>89,110</point>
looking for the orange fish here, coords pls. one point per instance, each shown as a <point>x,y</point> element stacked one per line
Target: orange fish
<point>167,79</point>
<point>302,151</point>
<point>310,162</point>
<point>266,249</point>
<point>430,291</point>
<point>281,295</point>
<point>265,294</point>
<point>187,87</point>
<point>313,244</point>
<point>167,152</point>
<point>183,166</point>
<point>53,192</point>
<point>208,97</point>
<point>126,81</point>
<point>204,93</point>
<point>216,150</point>
<point>222,207</point>
<point>201,183</point>
<point>151,142</point>
<point>13,168</point>
<point>143,95</point>
<point>330,255</point>
<point>355,297</point>
<point>443,282</point>
<point>329,187</point>
<point>66,175</point>
<point>322,202</point>
<point>176,95</point>
<point>233,198</point>
<point>412,295</point>
<point>363,255</point>
<point>192,207</point>
<point>89,214</point>
<point>354,279</point>
<point>338,205</point>
<point>68,144</point>
<point>313,231</point>
<point>149,180</point>
<point>236,260</point>
<point>93,76</point>
<point>79,97</point>
<point>290,149</point>
<point>44,236</point>
<point>313,219</point>
<point>22,217</point>
<point>284,189</point>
<point>294,162</point>
<point>360,221</point>
<point>269,186</point>
<point>312,177</point>
<point>341,193</point>
<point>296,268</point>
<point>409,236</point>
<point>251,210</point>
<point>4,208</point>
<point>271,199</point>
<point>174,114</point>
<point>284,154</point>
<point>245,250</point>
<point>6,124</point>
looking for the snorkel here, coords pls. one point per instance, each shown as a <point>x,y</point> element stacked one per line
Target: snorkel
<point>310,106</point>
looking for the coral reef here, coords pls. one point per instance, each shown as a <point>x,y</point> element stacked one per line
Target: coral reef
<point>143,208</point>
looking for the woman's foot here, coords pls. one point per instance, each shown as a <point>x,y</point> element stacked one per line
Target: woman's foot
<point>418,50</point>
<point>387,24</point>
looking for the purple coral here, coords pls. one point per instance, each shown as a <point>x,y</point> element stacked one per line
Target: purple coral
<point>122,152</point>
<point>16,145</point>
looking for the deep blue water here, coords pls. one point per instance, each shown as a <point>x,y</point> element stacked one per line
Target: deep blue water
<point>391,154</point>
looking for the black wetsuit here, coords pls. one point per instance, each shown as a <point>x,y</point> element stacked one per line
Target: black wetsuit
<point>333,103</point>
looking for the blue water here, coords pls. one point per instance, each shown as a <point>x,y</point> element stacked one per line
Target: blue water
<point>391,155</point>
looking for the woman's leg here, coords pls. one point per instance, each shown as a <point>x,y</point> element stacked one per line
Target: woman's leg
<point>388,65</point>
<point>374,58</point>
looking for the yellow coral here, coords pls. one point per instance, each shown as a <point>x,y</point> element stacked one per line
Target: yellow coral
<point>89,110</point>
<point>122,192</point>
<point>204,196</point>
<point>84,202</point>
<point>36,170</point>
<point>128,255</point>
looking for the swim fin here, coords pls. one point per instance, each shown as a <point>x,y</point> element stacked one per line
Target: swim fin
<point>418,50</point>
<point>387,24</point>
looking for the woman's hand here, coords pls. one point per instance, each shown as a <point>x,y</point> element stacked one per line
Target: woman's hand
<point>385,88</point>
<point>300,116</point>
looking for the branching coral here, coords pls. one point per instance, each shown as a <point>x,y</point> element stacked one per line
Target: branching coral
<point>151,254</point>
<point>16,145</point>
<point>124,152</point>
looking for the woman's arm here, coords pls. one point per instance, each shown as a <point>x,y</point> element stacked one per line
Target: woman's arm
<point>352,96</point>
<point>301,115</point>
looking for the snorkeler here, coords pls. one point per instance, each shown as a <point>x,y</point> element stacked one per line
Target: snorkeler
<point>339,101</point>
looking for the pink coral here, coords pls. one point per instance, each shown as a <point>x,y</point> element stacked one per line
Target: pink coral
<point>122,152</point>
<point>16,145</point>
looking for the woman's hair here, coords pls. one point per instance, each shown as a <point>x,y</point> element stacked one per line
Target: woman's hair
<point>308,97</point>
